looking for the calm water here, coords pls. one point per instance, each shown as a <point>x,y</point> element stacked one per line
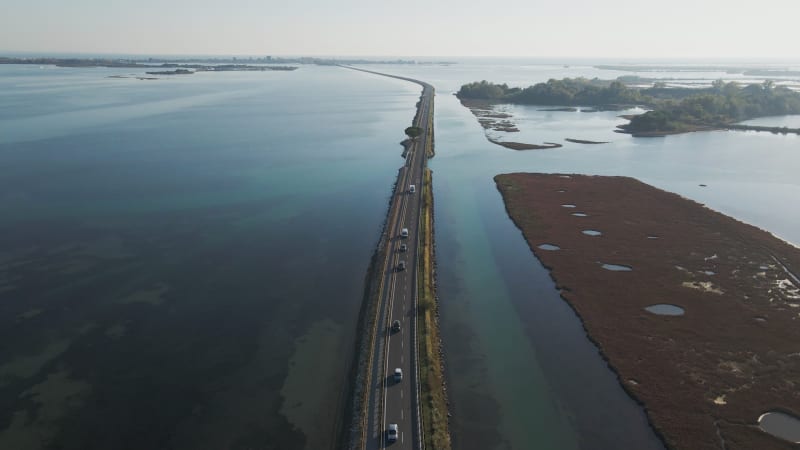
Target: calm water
<point>182,260</point>
<point>664,309</point>
<point>521,372</point>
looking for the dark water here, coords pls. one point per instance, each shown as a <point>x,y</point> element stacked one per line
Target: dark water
<point>182,260</point>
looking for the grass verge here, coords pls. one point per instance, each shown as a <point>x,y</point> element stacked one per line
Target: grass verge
<point>433,398</point>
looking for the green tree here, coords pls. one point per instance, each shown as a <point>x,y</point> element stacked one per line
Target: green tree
<point>413,132</point>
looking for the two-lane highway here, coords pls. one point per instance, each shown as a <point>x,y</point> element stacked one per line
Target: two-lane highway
<point>390,400</point>
<point>401,405</point>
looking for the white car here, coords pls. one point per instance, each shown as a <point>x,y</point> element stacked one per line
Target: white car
<point>398,375</point>
<point>392,433</point>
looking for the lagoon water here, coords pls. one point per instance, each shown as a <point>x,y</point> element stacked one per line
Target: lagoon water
<point>182,260</point>
<point>522,373</point>
<point>194,249</point>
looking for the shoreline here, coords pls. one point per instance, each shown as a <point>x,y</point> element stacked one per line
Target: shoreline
<point>700,128</point>
<point>435,404</point>
<point>490,119</point>
<point>484,112</point>
<point>524,146</point>
<point>702,377</point>
<point>583,141</point>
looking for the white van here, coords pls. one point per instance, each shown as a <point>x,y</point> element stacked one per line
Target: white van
<point>412,188</point>
<point>404,232</point>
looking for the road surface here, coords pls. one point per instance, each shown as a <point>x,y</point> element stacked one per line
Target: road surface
<point>390,401</point>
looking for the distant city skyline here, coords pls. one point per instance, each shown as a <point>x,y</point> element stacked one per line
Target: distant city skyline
<point>516,28</point>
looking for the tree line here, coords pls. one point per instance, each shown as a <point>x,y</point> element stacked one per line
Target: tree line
<point>722,104</point>
<point>565,92</point>
<point>671,109</point>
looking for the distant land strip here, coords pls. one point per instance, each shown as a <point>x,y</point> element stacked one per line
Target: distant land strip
<point>134,64</point>
<point>171,62</point>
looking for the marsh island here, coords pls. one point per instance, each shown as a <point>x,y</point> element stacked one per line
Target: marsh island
<point>696,312</point>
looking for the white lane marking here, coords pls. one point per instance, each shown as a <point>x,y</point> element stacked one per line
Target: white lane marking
<point>402,437</point>
<point>401,396</point>
<point>401,415</point>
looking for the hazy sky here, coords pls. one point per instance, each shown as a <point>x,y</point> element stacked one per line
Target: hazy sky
<point>571,28</point>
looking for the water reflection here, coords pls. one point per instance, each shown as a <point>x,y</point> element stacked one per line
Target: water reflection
<point>617,267</point>
<point>781,425</point>
<point>664,309</point>
<point>550,247</point>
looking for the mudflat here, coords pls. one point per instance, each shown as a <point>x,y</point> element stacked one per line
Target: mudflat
<point>705,376</point>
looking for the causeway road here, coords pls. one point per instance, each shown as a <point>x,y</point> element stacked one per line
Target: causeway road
<point>392,401</point>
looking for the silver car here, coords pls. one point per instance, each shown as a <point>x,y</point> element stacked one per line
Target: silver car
<point>391,435</point>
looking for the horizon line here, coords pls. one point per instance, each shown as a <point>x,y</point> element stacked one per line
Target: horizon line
<point>56,54</point>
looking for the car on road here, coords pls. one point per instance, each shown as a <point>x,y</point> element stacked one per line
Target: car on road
<point>404,232</point>
<point>398,375</point>
<point>403,248</point>
<point>412,188</point>
<point>401,266</point>
<point>396,326</point>
<point>391,434</point>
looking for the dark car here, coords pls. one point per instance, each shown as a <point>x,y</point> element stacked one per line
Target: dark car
<point>401,266</point>
<point>396,326</point>
<point>403,247</point>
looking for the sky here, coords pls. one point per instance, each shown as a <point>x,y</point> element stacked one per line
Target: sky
<point>422,28</point>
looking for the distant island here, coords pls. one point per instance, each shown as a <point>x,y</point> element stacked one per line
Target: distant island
<point>564,93</point>
<point>172,72</point>
<point>673,110</point>
<point>719,107</point>
<point>182,68</point>
<point>270,63</point>
<point>748,71</point>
